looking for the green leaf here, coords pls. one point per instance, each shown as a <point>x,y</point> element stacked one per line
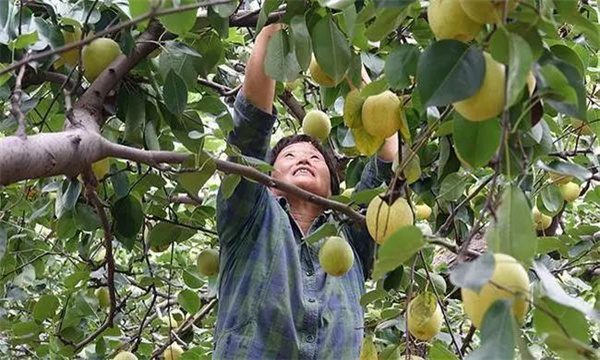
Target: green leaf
<point>565,168</point>
<point>373,296</point>
<point>376,87</point>
<point>267,8</point>
<point>512,232</point>
<point>280,62</point>
<point>552,289</point>
<point>175,93</point>
<point>45,308</point>
<point>336,4</point>
<point>474,274</point>
<point>449,71</point>
<point>135,118</point>
<point>331,48</point>
<point>497,333</point>
<point>24,40</point>
<point>551,198</point>
<point>302,42</point>
<point>163,233</point>
<point>181,22</point>
<point>476,142</point>
<point>398,248</point>
<point>401,64</point>
<point>570,348</point>
<point>520,60</point>
<point>229,184</point>
<point>86,218</point>
<point>189,301</point>
<point>551,317</point>
<point>440,351</point>
<point>387,21</point>
<point>325,230</point>
<point>71,195</point>
<point>453,186</point>
<point>368,350</point>
<point>181,59</point>
<point>128,216</point>
<point>210,47</point>
<point>192,182</point>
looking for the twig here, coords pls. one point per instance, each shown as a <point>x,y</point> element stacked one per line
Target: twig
<point>110,30</point>
<point>15,100</point>
<point>467,340</point>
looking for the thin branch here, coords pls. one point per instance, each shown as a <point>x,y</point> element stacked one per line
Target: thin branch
<point>110,30</point>
<point>16,110</point>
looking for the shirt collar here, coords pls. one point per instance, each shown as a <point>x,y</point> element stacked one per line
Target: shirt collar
<point>324,216</point>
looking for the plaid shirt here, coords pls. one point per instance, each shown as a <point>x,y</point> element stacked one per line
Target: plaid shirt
<point>275,300</point>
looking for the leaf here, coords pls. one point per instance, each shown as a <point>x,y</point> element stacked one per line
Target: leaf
<point>302,41</point>
<point>128,216</point>
<point>476,142</point>
<point>449,71</point>
<point>373,296</point>
<point>513,231</point>
<point>439,351</point>
<point>368,351</point>
<point>387,21</point>
<point>45,308</point>
<point>551,317</point>
<point>181,22</point>
<point>453,186</point>
<point>193,181</point>
<point>229,184</point>
<point>552,199</point>
<point>267,8</point>
<point>134,118</point>
<point>553,290</point>
<point>163,234</point>
<point>570,348</point>
<point>189,301</point>
<point>520,60</point>
<point>336,4</point>
<point>398,248</point>
<point>331,48</point>
<point>86,218</point>
<point>210,49</point>
<point>497,333</point>
<point>175,93</point>
<point>375,87</point>
<point>71,195</point>
<point>182,59</point>
<point>280,62</point>
<point>325,230</point>
<point>565,168</point>
<point>475,274</point>
<point>401,64</point>
<point>366,143</point>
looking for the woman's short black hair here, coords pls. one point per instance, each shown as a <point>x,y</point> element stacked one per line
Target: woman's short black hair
<point>327,154</point>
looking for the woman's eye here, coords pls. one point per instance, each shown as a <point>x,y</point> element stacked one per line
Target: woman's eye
<point>289,155</point>
<point>315,157</point>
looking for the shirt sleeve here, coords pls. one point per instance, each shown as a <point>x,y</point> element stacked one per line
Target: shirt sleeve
<point>251,134</point>
<point>375,173</point>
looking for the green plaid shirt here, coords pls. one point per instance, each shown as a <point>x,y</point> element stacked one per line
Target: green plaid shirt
<point>275,300</point>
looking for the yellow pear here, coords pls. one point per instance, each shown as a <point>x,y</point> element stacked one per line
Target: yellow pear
<point>383,220</point>
<point>381,114</point>
<point>542,221</point>
<point>103,296</point>
<point>424,317</point>
<point>125,355</point>
<point>316,124</point>
<point>569,191</point>
<point>509,281</point>
<point>488,101</point>
<point>487,11</point>
<point>319,76</point>
<point>422,211</point>
<point>208,262</point>
<point>580,126</point>
<point>98,55</point>
<point>348,192</point>
<point>336,256</point>
<point>353,109</point>
<point>173,352</point>
<point>71,57</point>
<point>531,83</point>
<point>448,20</point>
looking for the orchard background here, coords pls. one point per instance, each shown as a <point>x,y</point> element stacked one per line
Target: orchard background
<point>96,260</point>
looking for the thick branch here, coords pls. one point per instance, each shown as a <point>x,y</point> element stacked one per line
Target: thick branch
<point>250,18</point>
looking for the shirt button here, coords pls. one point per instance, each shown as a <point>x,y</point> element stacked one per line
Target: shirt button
<point>311,300</point>
<point>308,273</point>
<point>310,338</point>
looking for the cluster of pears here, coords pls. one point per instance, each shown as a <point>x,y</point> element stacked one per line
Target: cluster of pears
<point>95,56</point>
<point>568,189</point>
<point>462,20</point>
